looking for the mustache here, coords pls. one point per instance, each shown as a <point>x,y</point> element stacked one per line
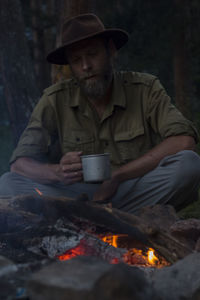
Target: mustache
<point>87,76</point>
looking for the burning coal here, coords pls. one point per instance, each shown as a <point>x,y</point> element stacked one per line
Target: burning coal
<point>145,257</point>
<point>132,256</point>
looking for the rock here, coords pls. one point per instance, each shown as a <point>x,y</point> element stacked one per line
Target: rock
<point>7,291</point>
<point>124,283</point>
<point>89,278</point>
<point>189,229</point>
<point>161,216</point>
<point>180,281</point>
<point>186,231</point>
<point>7,268</point>
<point>72,279</point>
<point>196,295</point>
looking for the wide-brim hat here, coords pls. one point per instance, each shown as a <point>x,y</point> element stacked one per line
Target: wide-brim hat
<point>83,27</point>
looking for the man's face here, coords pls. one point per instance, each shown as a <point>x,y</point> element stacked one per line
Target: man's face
<point>91,64</point>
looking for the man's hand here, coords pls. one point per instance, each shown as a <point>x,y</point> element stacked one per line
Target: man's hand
<point>106,191</point>
<point>70,168</point>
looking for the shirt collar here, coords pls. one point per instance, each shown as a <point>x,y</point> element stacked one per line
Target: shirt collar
<point>75,95</point>
<point>78,100</point>
<point>118,97</point>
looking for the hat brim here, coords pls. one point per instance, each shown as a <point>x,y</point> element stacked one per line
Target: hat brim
<point>58,56</point>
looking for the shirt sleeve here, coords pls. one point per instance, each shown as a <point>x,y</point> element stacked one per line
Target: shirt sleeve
<point>39,135</point>
<point>165,119</point>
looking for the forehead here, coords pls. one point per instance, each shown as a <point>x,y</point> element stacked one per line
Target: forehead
<point>87,44</point>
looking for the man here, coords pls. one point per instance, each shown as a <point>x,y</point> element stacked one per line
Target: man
<point>127,114</point>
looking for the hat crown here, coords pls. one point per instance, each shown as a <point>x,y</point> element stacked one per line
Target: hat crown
<point>81,26</point>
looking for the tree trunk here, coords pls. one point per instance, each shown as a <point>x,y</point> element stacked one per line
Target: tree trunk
<point>38,30</point>
<point>49,33</point>
<point>16,67</point>
<point>181,60</point>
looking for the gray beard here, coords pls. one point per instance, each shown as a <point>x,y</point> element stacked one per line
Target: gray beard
<point>96,89</point>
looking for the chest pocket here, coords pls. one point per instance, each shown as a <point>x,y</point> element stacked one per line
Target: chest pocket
<point>130,144</point>
<point>76,140</point>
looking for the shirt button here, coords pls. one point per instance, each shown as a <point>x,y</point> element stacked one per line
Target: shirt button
<point>106,143</point>
<point>78,139</point>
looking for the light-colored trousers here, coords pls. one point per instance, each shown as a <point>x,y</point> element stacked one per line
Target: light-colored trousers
<point>174,181</point>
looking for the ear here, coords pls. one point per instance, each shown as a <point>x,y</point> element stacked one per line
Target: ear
<point>112,47</point>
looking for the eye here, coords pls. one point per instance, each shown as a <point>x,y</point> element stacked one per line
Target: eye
<point>76,60</point>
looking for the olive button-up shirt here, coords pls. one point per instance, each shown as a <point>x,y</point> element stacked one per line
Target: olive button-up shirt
<point>139,116</point>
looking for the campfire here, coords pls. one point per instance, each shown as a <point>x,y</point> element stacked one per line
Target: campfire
<point>146,257</point>
<point>36,230</point>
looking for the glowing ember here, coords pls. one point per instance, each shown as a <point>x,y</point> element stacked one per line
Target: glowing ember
<point>136,256</point>
<point>78,250</point>
<point>114,261</point>
<point>94,247</point>
<point>133,256</point>
<point>38,191</point>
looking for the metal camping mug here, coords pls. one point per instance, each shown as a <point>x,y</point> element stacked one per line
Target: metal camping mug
<point>96,167</point>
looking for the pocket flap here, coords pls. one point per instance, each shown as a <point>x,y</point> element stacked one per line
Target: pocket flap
<point>78,137</point>
<point>128,135</point>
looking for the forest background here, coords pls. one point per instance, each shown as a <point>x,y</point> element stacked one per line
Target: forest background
<point>164,41</point>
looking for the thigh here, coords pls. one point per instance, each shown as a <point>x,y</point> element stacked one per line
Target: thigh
<point>13,184</point>
<point>171,181</point>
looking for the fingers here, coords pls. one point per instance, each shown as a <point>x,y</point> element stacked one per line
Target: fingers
<point>72,172</point>
<point>70,168</point>
<point>71,178</point>
<point>73,175</point>
<point>71,157</point>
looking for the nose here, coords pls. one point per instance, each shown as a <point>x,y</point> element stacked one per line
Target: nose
<point>86,64</point>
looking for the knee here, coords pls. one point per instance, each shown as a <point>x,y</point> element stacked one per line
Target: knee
<point>6,178</point>
<point>188,169</point>
<point>7,183</point>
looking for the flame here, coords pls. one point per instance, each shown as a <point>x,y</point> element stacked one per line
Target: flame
<point>136,256</point>
<point>111,239</point>
<point>152,259</point>
<point>38,191</point>
<point>133,256</point>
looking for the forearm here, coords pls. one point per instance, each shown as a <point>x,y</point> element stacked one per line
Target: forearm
<point>151,159</point>
<point>68,171</point>
<point>40,172</point>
